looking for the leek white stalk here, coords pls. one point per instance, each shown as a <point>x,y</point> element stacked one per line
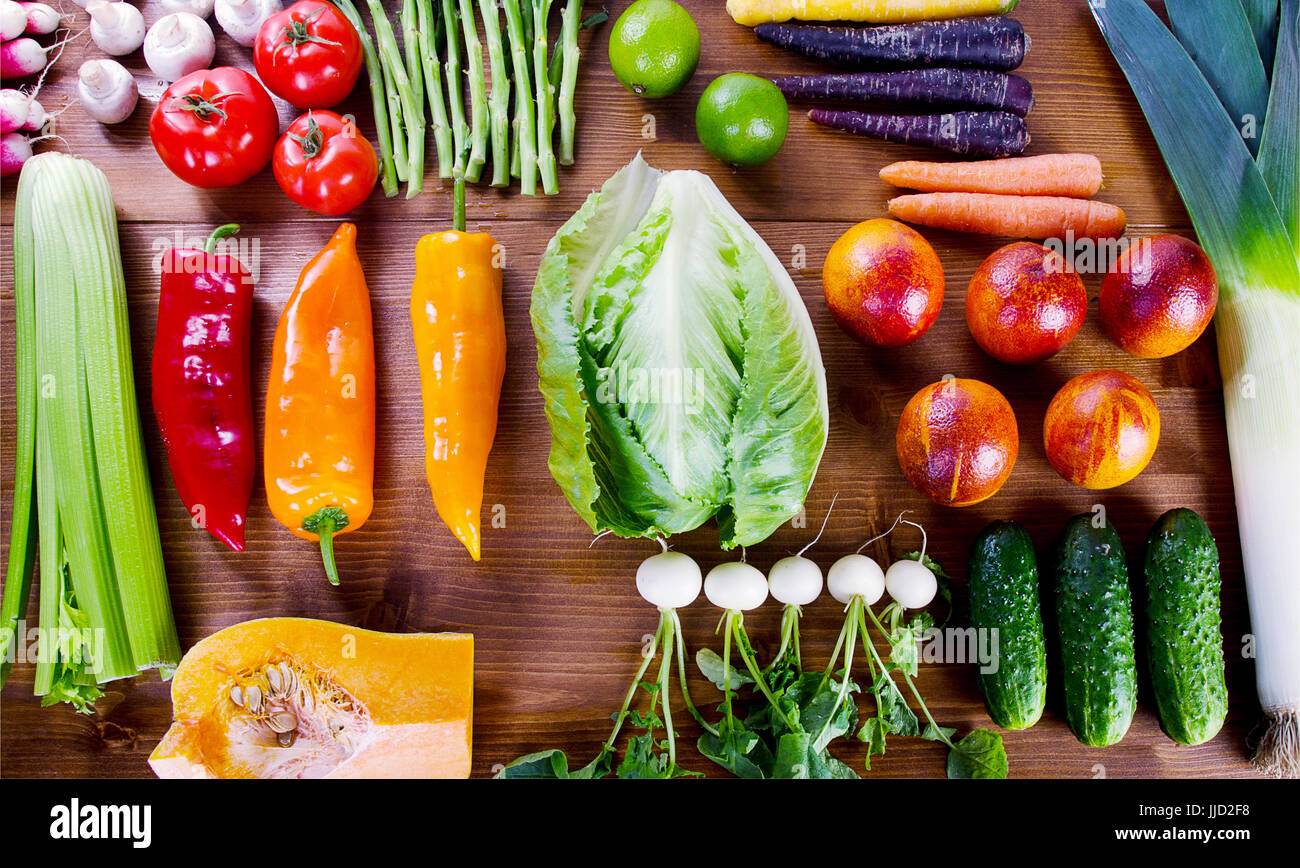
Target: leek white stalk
<point>1259,356</point>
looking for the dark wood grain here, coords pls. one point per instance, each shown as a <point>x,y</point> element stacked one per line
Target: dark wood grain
<point>557,620</point>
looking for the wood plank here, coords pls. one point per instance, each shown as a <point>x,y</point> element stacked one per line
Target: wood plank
<point>557,621</point>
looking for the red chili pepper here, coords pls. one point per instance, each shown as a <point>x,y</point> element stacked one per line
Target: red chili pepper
<point>201,391</point>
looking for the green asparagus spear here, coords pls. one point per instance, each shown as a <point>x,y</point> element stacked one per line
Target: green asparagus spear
<point>525,121</point>
<point>569,79</point>
<point>459,129</point>
<point>415,76</point>
<point>477,93</point>
<point>499,98</point>
<point>545,99</point>
<point>426,21</point>
<point>378,97</point>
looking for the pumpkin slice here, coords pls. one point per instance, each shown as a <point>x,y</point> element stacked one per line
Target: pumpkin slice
<point>300,698</point>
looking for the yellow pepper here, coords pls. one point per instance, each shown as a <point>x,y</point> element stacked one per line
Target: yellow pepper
<point>460,340</point>
<point>319,459</point>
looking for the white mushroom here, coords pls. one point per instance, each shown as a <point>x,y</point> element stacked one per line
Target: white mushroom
<point>117,28</point>
<point>241,19</point>
<point>178,44</point>
<point>201,8</point>
<point>107,90</point>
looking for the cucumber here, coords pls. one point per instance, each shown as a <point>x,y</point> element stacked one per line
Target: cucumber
<point>1095,617</point>
<point>1003,586</point>
<point>1184,638</point>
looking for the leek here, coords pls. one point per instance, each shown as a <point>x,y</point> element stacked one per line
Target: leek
<point>1218,37</point>
<point>104,608</point>
<point>1248,229</point>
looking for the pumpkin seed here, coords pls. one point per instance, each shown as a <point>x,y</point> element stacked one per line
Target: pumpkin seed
<point>286,739</point>
<point>254,694</point>
<point>237,695</point>
<point>282,721</point>
<point>273,679</point>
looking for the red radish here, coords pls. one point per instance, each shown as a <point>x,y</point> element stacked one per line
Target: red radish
<point>15,150</point>
<point>14,106</point>
<point>36,117</point>
<point>21,57</point>
<point>41,18</point>
<point>13,20</point>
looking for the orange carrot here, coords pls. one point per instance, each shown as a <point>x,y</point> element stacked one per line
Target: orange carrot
<point>1013,216</point>
<point>1077,175</point>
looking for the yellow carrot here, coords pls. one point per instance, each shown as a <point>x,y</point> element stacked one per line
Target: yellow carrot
<point>1074,175</point>
<point>754,12</point>
<point>1012,216</point>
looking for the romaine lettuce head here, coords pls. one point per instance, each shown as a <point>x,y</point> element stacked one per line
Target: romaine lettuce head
<point>680,369</point>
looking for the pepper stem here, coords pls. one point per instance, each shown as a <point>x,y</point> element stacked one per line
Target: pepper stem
<point>217,234</point>
<point>325,523</point>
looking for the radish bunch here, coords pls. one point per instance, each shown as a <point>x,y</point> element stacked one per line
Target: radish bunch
<point>791,716</point>
<point>22,117</point>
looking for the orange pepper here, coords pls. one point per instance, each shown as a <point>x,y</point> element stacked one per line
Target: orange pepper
<point>319,462</point>
<point>460,340</point>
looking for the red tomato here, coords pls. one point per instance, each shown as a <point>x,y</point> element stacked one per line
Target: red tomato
<point>214,127</point>
<point>309,54</point>
<point>324,163</point>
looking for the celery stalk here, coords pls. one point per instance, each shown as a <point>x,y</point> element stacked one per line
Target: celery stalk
<point>104,608</point>
<point>22,530</point>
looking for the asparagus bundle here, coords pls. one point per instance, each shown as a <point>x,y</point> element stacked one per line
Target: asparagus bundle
<point>416,82</point>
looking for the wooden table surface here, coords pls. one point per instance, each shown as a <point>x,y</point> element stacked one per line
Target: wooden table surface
<point>557,621</point>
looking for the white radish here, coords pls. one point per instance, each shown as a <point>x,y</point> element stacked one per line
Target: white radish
<point>669,580</point>
<point>735,586</point>
<point>13,20</point>
<point>910,582</point>
<point>796,580</point>
<point>21,57</point>
<point>856,576</point>
<point>15,150</point>
<point>42,18</point>
<point>14,106</point>
<point>241,19</point>
<point>178,44</point>
<point>201,8</point>
<point>107,91</point>
<point>117,28</point>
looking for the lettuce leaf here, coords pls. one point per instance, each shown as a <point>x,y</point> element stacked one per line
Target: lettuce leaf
<point>681,371</point>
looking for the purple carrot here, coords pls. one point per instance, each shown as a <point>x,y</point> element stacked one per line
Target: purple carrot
<point>978,134</point>
<point>993,42</point>
<point>973,88</point>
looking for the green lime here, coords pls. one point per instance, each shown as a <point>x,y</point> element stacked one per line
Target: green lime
<point>742,119</point>
<point>654,48</point>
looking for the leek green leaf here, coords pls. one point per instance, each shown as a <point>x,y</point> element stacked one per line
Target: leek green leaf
<point>1218,37</point>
